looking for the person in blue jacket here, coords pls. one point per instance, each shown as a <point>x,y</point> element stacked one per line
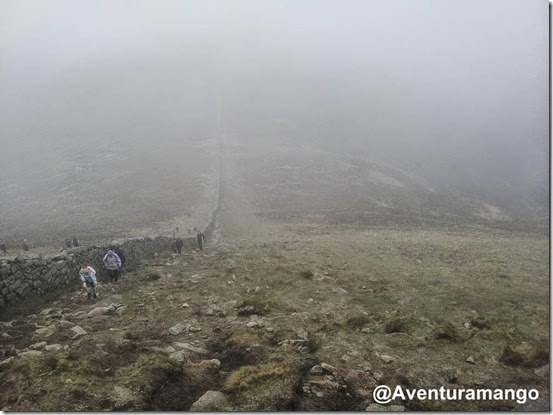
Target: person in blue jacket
<point>88,278</point>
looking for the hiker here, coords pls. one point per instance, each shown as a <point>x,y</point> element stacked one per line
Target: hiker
<point>75,242</point>
<point>68,243</point>
<point>179,244</point>
<point>3,247</point>
<point>112,263</point>
<point>88,278</point>
<point>121,256</point>
<point>24,245</point>
<point>200,239</point>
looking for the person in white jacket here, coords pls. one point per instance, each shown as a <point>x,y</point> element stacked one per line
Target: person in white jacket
<point>88,278</point>
<point>112,263</point>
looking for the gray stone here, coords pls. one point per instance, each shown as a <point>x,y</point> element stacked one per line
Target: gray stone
<point>5,361</point>
<point>37,345</point>
<point>194,349</point>
<point>30,353</point>
<point>79,331</point>
<point>179,355</point>
<point>52,347</point>
<point>387,359</point>
<point>98,311</point>
<point>316,370</point>
<point>542,371</point>
<point>214,364</point>
<point>328,368</point>
<point>539,405</point>
<point>45,331</point>
<point>470,359</point>
<point>122,395</point>
<point>177,329</point>
<point>374,407</point>
<point>210,401</point>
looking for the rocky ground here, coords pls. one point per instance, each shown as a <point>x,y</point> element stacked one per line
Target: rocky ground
<point>293,312</point>
<point>305,318</point>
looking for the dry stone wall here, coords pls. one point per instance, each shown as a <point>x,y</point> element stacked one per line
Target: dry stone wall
<point>29,275</point>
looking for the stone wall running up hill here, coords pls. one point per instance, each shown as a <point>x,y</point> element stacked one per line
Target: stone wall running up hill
<point>25,276</point>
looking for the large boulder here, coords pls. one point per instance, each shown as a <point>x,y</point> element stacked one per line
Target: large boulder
<point>210,401</point>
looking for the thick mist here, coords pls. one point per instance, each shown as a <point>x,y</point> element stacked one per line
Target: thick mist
<point>454,91</point>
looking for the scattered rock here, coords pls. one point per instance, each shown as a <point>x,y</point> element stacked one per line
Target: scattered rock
<point>470,359</point>
<point>79,331</point>
<point>214,364</point>
<point>374,407</point>
<point>46,311</point>
<point>194,329</point>
<point>45,331</point>
<point>316,370</point>
<point>329,368</point>
<point>194,349</point>
<point>210,401</point>
<point>52,347</point>
<point>177,329</point>
<point>542,371</point>
<point>386,359</point>
<point>98,311</point>
<point>185,305</point>
<point>539,405</point>
<point>37,345</point>
<point>30,353</point>
<point>179,355</point>
<point>122,395</point>
<point>339,290</point>
<point>9,359</point>
<point>215,311</point>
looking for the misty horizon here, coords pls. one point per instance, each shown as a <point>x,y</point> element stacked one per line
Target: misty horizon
<point>454,92</point>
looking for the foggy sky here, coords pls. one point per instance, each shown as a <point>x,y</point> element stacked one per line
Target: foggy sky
<point>459,88</point>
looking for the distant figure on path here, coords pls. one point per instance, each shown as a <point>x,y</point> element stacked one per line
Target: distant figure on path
<point>200,239</point>
<point>112,263</point>
<point>179,243</point>
<point>88,278</point>
<point>68,243</point>
<point>24,245</point>
<point>3,247</point>
<point>75,242</point>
